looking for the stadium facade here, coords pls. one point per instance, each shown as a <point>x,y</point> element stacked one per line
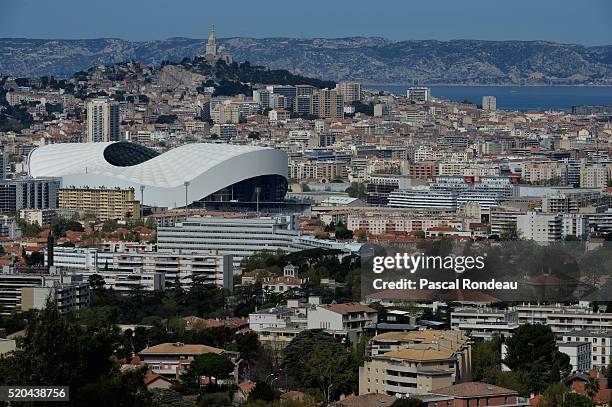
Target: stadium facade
<point>204,172</point>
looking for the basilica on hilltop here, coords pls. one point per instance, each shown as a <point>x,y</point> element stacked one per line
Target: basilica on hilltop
<point>212,54</point>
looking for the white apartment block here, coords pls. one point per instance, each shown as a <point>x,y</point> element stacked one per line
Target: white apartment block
<point>346,319</point>
<point>125,270</point>
<point>540,227</point>
<point>239,237</point>
<point>484,322</point>
<point>579,354</point>
<point>423,197</point>
<point>562,319</point>
<point>600,345</point>
<point>549,227</point>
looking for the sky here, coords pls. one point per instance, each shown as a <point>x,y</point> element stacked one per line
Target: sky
<point>586,22</point>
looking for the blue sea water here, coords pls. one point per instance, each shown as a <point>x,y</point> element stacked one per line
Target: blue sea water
<point>523,98</point>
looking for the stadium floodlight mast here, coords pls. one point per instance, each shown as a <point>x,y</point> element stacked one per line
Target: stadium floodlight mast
<point>142,188</point>
<point>186,183</point>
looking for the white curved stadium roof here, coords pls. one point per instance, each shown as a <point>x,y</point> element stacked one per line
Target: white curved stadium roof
<point>207,167</point>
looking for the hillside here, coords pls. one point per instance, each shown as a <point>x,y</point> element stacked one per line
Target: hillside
<point>370,60</point>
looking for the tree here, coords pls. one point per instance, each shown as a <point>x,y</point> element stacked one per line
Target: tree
<point>558,395</point>
<point>486,355</point>
<point>96,282</point>
<point>125,389</point>
<point>57,352</point>
<point>59,226</point>
<point>410,402</point>
<point>518,380</point>
<point>166,118</point>
<point>357,190</point>
<point>530,349</point>
<point>212,365</point>
<point>327,363</point>
<point>264,391</point>
<point>509,232</point>
<point>29,229</point>
<point>562,366</point>
<point>592,387</point>
<point>168,398</point>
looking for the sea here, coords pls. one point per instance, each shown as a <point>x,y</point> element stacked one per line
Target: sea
<point>521,98</point>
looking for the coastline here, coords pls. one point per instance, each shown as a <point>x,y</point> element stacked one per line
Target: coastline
<point>510,85</point>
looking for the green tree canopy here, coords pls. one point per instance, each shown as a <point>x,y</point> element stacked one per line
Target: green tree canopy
<point>531,349</point>
<point>411,402</point>
<point>212,365</point>
<point>327,363</point>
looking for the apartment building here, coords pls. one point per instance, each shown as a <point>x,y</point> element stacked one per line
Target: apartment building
<point>237,236</point>
<point>103,120</point>
<point>424,170</point>
<point>489,103</point>
<point>423,197</point>
<point>540,172</point>
<point>9,227</point>
<point>26,291</point>
<point>40,216</point>
<point>104,203</point>
<point>594,176</point>
<point>346,319</point>
<point>549,227</point>
<point>29,193</point>
<point>570,202</point>
<point>418,94</point>
<point>599,349</point>
<point>350,91</point>
<point>579,354</point>
<point>380,224</point>
<point>484,322</point>
<point>503,219</point>
<point>411,363</point>
<point>563,319</point>
<point>327,104</point>
<point>124,270</point>
<point>379,186</point>
<point>540,227</point>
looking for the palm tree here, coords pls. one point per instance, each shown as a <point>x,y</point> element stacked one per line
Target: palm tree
<point>592,387</point>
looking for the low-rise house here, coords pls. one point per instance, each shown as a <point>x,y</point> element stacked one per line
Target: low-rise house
<point>366,400</point>
<point>155,381</point>
<point>289,281</point>
<point>171,359</point>
<point>476,394</point>
<point>578,382</point>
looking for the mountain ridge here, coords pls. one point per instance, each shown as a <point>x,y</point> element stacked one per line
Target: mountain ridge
<point>366,59</point>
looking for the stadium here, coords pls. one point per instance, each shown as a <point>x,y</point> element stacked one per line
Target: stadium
<point>198,173</point>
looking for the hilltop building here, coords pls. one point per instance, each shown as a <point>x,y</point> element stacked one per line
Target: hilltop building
<point>214,54</point>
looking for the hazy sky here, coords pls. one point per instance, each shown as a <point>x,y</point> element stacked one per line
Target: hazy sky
<point>570,21</point>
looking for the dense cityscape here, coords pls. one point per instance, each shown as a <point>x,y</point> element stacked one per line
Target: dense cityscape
<point>196,233</point>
